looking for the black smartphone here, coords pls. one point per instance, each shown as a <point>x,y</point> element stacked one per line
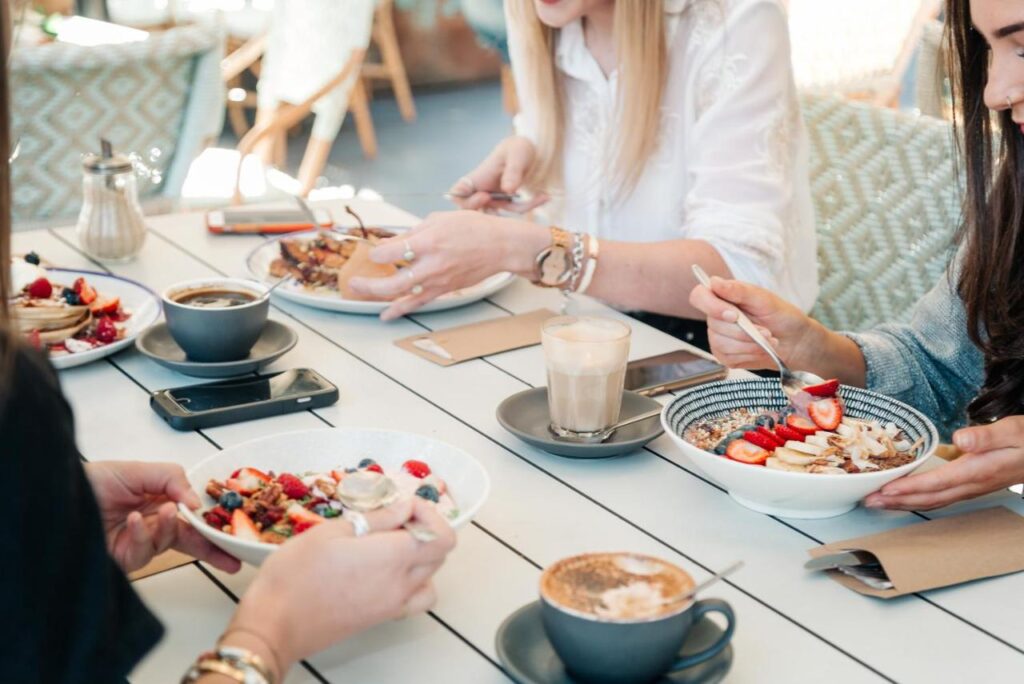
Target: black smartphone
<point>233,401</point>
<point>674,370</point>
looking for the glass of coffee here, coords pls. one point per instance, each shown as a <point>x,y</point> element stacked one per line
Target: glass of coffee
<point>586,360</point>
<point>614,618</point>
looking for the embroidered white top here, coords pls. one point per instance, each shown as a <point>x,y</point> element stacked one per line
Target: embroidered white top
<point>731,164</point>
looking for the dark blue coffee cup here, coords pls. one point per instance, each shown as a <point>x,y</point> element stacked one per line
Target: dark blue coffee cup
<point>612,651</point>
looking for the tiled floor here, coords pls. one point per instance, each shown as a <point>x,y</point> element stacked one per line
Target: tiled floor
<point>454,130</point>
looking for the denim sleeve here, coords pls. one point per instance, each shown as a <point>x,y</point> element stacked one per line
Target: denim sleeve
<point>929,363</point>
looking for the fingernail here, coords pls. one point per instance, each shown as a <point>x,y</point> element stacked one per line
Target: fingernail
<point>357,283</point>
<point>730,316</point>
<point>873,503</point>
<point>964,440</point>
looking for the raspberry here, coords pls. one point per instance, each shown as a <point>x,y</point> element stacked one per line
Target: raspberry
<point>106,331</point>
<point>40,288</point>
<point>417,469</point>
<point>217,517</point>
<point>292,486</point>
<point>375,468</point>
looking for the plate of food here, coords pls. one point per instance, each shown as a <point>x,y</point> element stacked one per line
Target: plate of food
<point>322,263</point>
<point>78,316</point>
<point>814,457</point>
<point>258,495</point>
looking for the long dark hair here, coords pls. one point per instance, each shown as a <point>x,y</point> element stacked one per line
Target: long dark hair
<point>991,237</point>
<point>6,337</point>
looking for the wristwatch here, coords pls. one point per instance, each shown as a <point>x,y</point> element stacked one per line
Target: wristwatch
<point>554,263</point>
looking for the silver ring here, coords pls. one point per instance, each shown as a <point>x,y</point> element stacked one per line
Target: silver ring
<point>469,181</point>
<point>417,289</point>
<point>360,527</point>
<point>408,255</point>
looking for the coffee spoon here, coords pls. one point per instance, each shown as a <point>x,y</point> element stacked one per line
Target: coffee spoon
<point>793,382</point>
<point>365,491</point>
<point>711,580</point>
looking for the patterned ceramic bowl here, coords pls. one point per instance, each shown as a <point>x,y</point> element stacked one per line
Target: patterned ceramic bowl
<point>787,494</point>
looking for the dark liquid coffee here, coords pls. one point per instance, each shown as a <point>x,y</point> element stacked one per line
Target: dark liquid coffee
<point>214,298</point>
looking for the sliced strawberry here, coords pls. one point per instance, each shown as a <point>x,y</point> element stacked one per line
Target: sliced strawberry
<point>826,413</point>
<point>743,451</point>
<point>786,433</point>
<point>417,469</point>
<point>246,481</point>
<point>243,527</point>
<point>85,291</point>
<point>302,518</point>
<point>375,468</point>
<point>829,388</point>
<point>338,475</point>
<point>292,486</point>
<point>105,307</point>
<point>761,429</point>
<point>40,288</point>
<point>801,424</point>
<point>760,440</point>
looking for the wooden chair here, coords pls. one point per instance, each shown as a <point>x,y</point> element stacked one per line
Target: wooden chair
<point>390,68</point>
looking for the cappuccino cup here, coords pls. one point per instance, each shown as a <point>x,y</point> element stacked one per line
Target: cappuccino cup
<point>216,319</point>
<point>618,618</point>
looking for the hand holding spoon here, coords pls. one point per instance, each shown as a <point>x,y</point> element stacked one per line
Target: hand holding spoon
<point>792,381</point>
<point>366,491</point>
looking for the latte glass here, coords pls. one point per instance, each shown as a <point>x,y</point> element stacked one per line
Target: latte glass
<point>586,360</point>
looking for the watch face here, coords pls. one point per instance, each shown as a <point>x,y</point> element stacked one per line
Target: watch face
<point>554,267</point>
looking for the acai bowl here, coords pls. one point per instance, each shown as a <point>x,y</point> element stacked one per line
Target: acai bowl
<point>827,490</point>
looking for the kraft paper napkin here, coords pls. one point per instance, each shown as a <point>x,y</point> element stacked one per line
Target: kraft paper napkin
<point>168,560</point>
<point>455,345</point>
<point>939,553</point>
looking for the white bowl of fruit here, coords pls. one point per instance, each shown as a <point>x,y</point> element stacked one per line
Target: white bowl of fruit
<point>259,494</point>
<point>815,457</point>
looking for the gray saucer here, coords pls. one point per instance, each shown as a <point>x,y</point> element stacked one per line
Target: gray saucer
<point>529,658</point>
<point>526,416</point>
<point>276,340</point>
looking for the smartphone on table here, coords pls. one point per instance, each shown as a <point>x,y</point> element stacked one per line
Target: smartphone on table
<point>247,398</point>
<point>674,370</point>
<point>244,220</point>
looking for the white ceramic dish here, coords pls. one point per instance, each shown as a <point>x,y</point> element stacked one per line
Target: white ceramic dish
<point>143,303</point>
<point>323,450</point>
<point>259,260</point>
<point>774,492</point>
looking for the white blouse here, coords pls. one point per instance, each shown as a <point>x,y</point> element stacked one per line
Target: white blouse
<point>730,167</point>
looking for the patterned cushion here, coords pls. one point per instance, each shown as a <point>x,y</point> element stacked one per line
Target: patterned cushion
<point>887,202</point>
<point>65,97</point>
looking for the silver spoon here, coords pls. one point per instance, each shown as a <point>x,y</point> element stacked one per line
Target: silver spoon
<point>607,434</point>
<point>711,580</point>
<point>365,491</point>
<point>792,381</point>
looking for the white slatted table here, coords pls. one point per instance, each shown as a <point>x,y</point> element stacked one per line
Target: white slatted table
<point>792,627</point>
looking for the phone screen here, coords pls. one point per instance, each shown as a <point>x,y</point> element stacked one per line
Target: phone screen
<point>292,383</point>
<point>268,217</point>
<point>667,369</point>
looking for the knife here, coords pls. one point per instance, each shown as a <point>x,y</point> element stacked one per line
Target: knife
<point>846,557</point>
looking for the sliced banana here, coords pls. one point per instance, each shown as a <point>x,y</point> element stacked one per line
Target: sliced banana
<point>791,457</point>
<point>778,464</point>
<point>806,448</point>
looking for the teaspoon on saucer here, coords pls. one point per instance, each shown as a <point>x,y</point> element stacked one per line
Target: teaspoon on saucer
<point>793,382</point>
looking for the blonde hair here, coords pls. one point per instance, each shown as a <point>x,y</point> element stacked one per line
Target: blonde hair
<point>641,54</point>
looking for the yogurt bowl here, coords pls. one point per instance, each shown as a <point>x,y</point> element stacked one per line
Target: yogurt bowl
<point>792,494</point>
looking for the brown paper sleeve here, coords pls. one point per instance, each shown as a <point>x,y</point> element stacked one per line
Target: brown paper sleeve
<point>481,339</point>
<point>168,560</point>
<point>940,553</point>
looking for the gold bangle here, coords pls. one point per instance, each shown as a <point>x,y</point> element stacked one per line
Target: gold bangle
<point>247,657</point>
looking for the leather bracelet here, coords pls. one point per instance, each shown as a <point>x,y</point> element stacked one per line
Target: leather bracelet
<point>594,249</point>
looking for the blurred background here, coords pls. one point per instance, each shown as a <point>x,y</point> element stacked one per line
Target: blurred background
<point>382,98</point>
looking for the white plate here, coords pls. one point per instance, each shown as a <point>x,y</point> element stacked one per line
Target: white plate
<point>259,260</point>
<point>143,303</point>
<point>326,449</point>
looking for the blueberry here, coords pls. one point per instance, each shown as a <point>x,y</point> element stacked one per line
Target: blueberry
<point>765,421</point>
<point>323,510</point>
<point>71,297</point>
<point>428,492</point>
<point>32,258</point>
<point>720,449</point>
<point>738,434</point>
<point>367,462</point>
<point>230,500</point>
<point>351,470</point>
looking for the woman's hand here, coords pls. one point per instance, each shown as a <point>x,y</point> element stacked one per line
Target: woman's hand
<point>453,249</point>
<point>138,507</point>
<point>326,585</point>
<point>503,170</point>
<point>993,459</point>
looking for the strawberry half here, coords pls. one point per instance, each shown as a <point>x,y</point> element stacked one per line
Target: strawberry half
<point>786,434</point>
<point>826,413</point>
<point>760,440</point>
<point>417,469</point>
<point>292,486</point>
<point>743,451</point>
<point>801,424</point>
<point>84,290</point>
<point>829,388</point>
<point>761,429</point>
<point>243,527</point>
<point>245,481</point>
<point>105,307</point>
<point>302,518</point>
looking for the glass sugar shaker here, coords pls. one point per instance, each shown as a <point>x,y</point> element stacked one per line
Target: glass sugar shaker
<point>110,225</point>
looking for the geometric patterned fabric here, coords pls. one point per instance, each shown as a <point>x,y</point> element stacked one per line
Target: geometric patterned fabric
<point>887,202</point>
<point>65,97</point>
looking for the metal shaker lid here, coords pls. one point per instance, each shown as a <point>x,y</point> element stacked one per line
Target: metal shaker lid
<point>118,163</point>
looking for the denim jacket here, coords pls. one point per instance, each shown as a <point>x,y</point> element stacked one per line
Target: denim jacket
<point>929,363</point>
